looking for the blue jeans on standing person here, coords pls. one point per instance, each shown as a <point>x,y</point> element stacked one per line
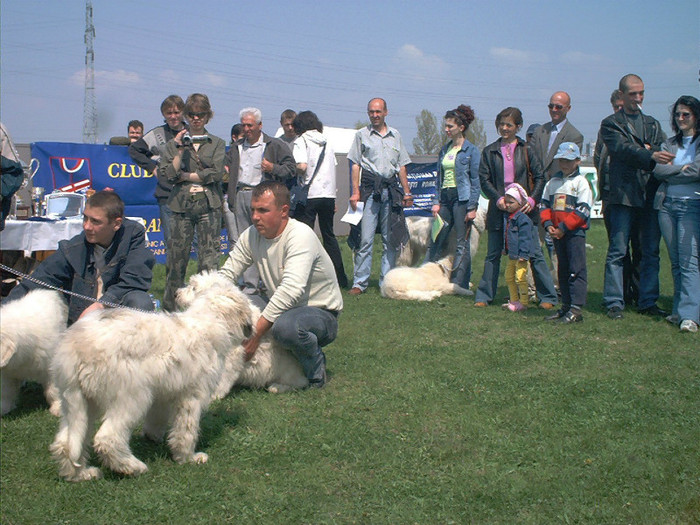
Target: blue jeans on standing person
<point>305,330</point>
<point>166,216</point>
<point>453,212</point>
<point>486,291</point>
<point>622,220</point>
<point>375,211</point>
<point>679,219</point>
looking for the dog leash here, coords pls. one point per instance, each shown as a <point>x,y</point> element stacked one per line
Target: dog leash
<point>29,278</point>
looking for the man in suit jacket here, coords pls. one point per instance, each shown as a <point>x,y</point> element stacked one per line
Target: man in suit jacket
<point>633,141</point>
<point>546,138</point>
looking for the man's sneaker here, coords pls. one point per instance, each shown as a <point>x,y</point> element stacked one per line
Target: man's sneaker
<point>673,319</point>
<point>354,291</point>
<point>572,316</point>
<point>547,306</point>
<point>556,316</point>
<point>480,304</point>
<point>653,310</point>
<point>615,313</point>
<point>689,326</point>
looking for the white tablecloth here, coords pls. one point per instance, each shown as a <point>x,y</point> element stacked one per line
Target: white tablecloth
<point>32,236</point>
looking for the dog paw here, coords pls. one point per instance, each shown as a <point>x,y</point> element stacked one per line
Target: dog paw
<point>133,468</point>
<point>200,458</point>
<point>55,409</point>
<point>85,474</point>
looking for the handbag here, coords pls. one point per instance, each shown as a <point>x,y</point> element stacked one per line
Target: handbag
<point>299,193</point>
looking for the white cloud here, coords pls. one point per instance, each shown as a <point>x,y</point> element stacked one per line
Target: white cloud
<point>581,58</point>
<point>675,66</point>
<point>169,76</point>
<point>108,79</point>
<point>419,65</point>
<point>515,55</point>
<point>215,80</point>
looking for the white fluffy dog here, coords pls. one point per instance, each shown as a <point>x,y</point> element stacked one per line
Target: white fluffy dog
<point>424,283</point>
<point>127,365</point>
<point>419,238</point>
<point>272,367</point>
<point>30,329</point>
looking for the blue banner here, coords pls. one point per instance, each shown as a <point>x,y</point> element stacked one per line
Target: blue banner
<point>63,163</point>
<point>422,179</point>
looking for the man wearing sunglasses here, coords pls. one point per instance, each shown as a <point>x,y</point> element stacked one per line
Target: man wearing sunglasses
<point>634,141</point>
<point>547,138</point>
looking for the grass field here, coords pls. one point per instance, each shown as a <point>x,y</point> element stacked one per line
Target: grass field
<point>435,413</point>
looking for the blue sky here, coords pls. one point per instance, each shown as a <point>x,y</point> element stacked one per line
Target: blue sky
<point>331,57</point>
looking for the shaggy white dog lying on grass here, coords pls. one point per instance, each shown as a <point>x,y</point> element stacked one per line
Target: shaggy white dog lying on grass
<point>272,367</point>
<point>30,329</point>
<point>127,366</point>
<point>424,283</point>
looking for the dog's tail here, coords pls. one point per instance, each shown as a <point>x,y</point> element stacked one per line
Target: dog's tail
<point>69,448</point>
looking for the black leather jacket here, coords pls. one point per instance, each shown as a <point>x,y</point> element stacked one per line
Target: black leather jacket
<point>630,180</point>
<point>493,184</point>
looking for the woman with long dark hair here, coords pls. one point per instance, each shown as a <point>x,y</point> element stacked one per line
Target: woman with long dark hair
<point>678,202</point>
<point>457,195</point>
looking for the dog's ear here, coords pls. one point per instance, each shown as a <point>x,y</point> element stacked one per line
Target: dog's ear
<point>7,350</point>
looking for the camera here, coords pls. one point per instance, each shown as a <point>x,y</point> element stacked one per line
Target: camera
<point>188,140</point>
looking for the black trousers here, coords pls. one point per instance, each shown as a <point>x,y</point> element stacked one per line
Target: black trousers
<point>324,208</point>
<point>573,276</point>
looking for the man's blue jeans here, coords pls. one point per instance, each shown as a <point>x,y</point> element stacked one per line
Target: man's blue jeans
<point>373,213</point>
<point>305,330</point>
<point>680,225</point>
<point>622,220</point>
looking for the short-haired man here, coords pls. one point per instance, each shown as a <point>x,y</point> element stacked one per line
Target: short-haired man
<point>601,161</point>
<point>146,152</point>
<point>258,157</point>
<point>108,261</point>
<point>378,154</point>
<point>288,134</point>
<point>134,130</point>
<point>304,297</point>
<point>547,138</point>
<point>633,141</point>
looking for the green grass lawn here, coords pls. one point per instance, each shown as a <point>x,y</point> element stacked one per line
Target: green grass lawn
<point>435,413</point>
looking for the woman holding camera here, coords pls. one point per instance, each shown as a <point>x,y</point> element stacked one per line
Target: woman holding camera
<point>194,163</point>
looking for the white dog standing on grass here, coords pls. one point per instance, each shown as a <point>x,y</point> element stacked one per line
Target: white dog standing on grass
<point>127,365</point>
<point>30,329</point>
<point>272,367</point>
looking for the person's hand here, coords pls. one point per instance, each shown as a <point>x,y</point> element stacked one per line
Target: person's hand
<point>663,157</point>
<point>266,166</point>
<point>557,234</point>
<point>407,200</point>
<point>178,137</point>
<point>354,199</point>
<point>250,346</point>
<point>527,208</point>
<point>94,307</point>
<point>471,215</point>
<point>501,204</point>
<point>435,209</point>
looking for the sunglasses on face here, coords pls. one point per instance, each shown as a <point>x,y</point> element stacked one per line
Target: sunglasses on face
<point>682,114</point>
<point>555,106</point>
<point>200,115</point>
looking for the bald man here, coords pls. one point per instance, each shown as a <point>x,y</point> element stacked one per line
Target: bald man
<point>547,138</point>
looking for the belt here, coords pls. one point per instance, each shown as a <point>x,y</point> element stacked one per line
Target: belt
<point>244,187</point>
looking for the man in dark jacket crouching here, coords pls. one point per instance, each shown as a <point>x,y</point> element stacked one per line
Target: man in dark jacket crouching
<point>108,261</point>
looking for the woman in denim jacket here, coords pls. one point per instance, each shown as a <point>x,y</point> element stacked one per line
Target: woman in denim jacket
<point>457,195</point>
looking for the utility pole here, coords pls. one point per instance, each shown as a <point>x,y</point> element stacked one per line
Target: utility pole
<point>90,103</point>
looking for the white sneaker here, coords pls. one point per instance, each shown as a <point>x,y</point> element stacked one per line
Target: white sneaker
<point>689,326</point>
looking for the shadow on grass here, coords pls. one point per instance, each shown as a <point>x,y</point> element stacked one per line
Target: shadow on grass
<point>31,399</point>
